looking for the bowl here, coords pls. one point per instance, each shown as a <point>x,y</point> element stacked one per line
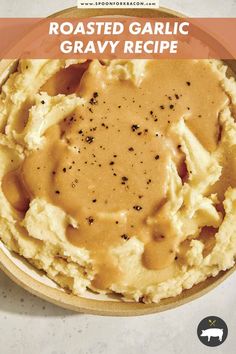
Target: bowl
<point>37,283</point>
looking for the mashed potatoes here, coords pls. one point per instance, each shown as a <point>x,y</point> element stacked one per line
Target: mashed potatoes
<point>120,176</point>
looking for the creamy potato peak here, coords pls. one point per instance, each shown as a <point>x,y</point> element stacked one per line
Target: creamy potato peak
<point>119,176</point>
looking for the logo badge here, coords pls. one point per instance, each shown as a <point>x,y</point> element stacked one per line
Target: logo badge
<point>212,331</point>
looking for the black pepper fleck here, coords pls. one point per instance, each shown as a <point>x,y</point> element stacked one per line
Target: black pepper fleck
<point>125,237</point>
<point>137,207</point>
<point>89,139</point>
<point>135,127</point>
<point>90,220</point>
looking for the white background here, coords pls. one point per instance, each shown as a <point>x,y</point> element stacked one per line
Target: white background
<point>29,325</point>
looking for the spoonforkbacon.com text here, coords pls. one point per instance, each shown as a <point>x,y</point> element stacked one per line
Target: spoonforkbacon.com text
<point>137,36</point>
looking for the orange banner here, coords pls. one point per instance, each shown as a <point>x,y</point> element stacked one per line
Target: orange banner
<point>118,37</point>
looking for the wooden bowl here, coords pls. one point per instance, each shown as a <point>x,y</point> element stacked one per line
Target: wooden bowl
<point>37,283</point>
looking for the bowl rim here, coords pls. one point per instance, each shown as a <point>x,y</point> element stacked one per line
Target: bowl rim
<point>93,306</point>
<point>104,307</point>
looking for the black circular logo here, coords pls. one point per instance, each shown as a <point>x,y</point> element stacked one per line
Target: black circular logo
<point>212,331</point>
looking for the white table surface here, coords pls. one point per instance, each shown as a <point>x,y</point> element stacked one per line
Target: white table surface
<point>29,325</point>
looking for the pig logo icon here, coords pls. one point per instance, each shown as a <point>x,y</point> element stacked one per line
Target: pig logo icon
<point>212,331</point>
